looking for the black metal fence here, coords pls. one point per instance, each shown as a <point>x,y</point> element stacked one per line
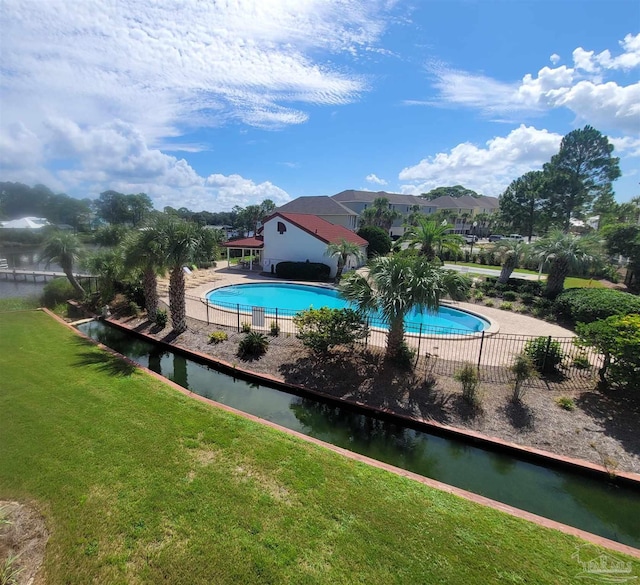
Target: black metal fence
<point>441,350</point>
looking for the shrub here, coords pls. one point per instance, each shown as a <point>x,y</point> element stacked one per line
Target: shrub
<point>523,370</point>
<point>274,330</point>
<point>565,403</point>
<point>321,329</point>
<point>405,357</point>
<point>245,327</point>
<point>526,298</point>
<point>581,362</point>
<point>468,377</point>
<point>478,295</point>
<point>59,290</point>
<point>493,292</point>
<point>253,344</point>
<point>303,270</point>
<point>218,337</point>
<point>506,306</point>
<point>617,338</point>
<point>162,318</point>
<point>509,295</point>
<point>522,310</point>
<point>379,240</point>
<point>585,305</point>
<point>546,354</point>
<point>489,303</point>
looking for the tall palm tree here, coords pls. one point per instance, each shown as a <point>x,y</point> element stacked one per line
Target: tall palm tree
<point>510,253</point>
<point>431,238</point>
<point>395,285</point>
<point>65,249</point>
<point>379,214</point>
<point>343,249</point>
<point>564,253</point>
<point>180,239</point>
<point>143,250</point>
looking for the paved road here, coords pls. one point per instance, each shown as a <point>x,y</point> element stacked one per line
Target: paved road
<point>489,271</point>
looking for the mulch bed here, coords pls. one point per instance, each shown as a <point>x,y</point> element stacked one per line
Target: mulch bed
<point>602,428</point>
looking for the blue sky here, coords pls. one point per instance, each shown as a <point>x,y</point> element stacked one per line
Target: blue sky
<point>220,104</point>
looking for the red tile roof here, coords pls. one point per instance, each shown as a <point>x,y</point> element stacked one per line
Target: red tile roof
<point>320,228</point>
<point>255,242</point>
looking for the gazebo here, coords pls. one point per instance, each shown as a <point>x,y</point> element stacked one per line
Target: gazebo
<point>253,245</point>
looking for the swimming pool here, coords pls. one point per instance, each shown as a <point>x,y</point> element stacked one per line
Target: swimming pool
<point>298,297</point>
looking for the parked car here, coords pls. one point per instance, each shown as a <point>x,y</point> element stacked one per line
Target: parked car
<point>516,237</point>
<point>496,237</point>
<point>470,239</point>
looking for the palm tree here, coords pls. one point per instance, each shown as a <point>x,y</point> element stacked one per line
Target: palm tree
<point>396,285</point>
<point>65,249</point>
<point>565,253</point>
<point>343,249</point>
<point>428,235</point>
<point>179,240</point>
<point>510,253</point>
<point>379,214</point>
<point>109,267</point>
<point>143,250</point>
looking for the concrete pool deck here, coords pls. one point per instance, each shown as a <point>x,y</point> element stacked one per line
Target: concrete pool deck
<point>498,350</point>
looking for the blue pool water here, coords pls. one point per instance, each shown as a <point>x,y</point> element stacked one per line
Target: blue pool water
<point>298,297</point>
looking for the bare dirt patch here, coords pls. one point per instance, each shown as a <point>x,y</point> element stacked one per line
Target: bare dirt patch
<point>23,538</point>
<point>602,428</point>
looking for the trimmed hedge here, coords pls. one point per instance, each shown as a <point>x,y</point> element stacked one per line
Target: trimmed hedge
<point>517,285</point>
<point>303,270</point>
<point>59,290</point>
<point>584,305</point>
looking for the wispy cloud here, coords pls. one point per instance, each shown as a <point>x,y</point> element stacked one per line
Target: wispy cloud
<point>375,179</point>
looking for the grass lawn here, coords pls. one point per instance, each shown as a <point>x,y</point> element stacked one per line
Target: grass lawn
<point>476,265</point>
<point>19,304</point>
<point>141,484</point>
<point>573,282</point>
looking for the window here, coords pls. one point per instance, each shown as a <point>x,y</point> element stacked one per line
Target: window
<point>281,228</point>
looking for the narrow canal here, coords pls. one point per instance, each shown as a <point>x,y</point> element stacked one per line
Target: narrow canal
<point>592,505</point>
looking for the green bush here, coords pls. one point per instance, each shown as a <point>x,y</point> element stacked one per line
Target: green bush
<point>274,329</point>
<point>303,270</point>
<point>585,305</point>
<point>253,344</point>
<point>245,327</point>
<point>523,369</point>
<point>526,298</point>
<point>218,337</point>
<point>509,295</point>
<point>59,290</point>
<point>405,357</point>
<point>469,378</point>
<point>324,328</point>
<point>133,309</point>
<point>617,338</point>
<point>379,240</point>
<point>506,306</point>
<point>546,354</point>
<point>565,403</point>
<point>162,318</point>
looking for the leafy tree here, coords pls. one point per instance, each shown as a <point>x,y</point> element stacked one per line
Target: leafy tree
<point>140,206</point>
<point>625,240</point>
<point>324,328</point>
<point>112,207</point>
<point>342,250</point>
<point>582,170</point>
<point>396,285</point>
<point>583,305</point>
<point>379,214</point>
<point>510,253</point>
<point>65,249</point>
<point>179,241</point>
<point>523,204</point>
<point>564,253</point>
<point>455,191</point>
<point>108,265</point>
<point>431,238</point>
<point>110,235</point>
<point>379,240</point>
<point>617,338</point>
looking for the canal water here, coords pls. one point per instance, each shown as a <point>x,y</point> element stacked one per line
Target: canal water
<point>592,505</point>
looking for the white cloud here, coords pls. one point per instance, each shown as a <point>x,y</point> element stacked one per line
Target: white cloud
<point>375,179</point>
<point>555,58</point>
<point>626,146</point>
<point>581,89</point>
<point>486,170</point>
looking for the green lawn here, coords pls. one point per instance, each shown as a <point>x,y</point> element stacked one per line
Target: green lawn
<point>19,304</point>
<point>141,484</point>
<point>476,265</point>
<point>574,282</point>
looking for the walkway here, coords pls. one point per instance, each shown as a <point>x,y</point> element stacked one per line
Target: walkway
<point>488,271</point>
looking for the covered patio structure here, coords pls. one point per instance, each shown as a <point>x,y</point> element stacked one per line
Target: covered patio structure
<point>254,246</point>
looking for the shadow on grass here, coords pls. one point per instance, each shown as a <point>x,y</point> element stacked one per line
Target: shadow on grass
<point>102,360</point>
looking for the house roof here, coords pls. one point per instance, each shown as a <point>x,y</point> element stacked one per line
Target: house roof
<point>254,242</point>
<point>316,205</point>
<point>34,223</point>
<point>320,228</point>
<point>370,196</point>
<point>465,202</point>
